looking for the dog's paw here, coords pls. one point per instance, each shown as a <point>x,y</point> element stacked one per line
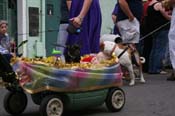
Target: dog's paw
<point>142,81</point>
<point>132,82</point>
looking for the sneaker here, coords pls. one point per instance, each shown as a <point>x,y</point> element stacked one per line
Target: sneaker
<point>171,78</point>
<point>163,72</point>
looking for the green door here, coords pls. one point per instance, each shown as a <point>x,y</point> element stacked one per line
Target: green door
<point>52,24</point>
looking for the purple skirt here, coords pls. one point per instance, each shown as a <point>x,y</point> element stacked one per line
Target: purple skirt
<point>89,38</point>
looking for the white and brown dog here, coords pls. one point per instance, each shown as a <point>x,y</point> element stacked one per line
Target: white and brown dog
<point>109,43</point>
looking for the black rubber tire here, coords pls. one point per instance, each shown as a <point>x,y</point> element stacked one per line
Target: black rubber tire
<point>115,100</point>
<point>49,101</point>
<point>15,103</point>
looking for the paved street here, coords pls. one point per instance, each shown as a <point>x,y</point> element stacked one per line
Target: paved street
<point>155,98</point>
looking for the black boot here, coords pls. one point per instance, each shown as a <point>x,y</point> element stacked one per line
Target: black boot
<point>171,77</point>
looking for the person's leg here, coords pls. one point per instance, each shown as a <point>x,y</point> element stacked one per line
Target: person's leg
<point>162,39</point>
<point>5,63</point>
<point>7,57</point>
<point>6,71</point>
<point>62,38</point>
<point>151,57</point>
<point>159,47</point>
<point>166,60</point>
<point>171,77</point>
<point>146,52</point>
<point>172,57</point>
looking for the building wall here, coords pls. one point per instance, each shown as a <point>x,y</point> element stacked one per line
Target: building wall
<point>40,41</point>
<point>3,9</point>
<point>22,24</point>
<point>36,43</point>
<point>107,7</point>
<point>8,13</point>
<point>52,18</point>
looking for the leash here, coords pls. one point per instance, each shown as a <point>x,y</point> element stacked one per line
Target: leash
<point>123,51</point>
<point>147,35</point>
<point>152,32</point>
<point>113,49</point>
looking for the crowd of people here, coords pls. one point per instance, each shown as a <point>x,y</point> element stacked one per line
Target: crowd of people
<point>156,39</point>
<point>133,19</point>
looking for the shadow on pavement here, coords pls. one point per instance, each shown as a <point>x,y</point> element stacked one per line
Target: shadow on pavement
<point>86,112</point>
<point>27,114</point>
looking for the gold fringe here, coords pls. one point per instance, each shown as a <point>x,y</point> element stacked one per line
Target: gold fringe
<point>56,62</point>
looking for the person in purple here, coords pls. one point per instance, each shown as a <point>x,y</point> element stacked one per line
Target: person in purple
<point>86,14</point>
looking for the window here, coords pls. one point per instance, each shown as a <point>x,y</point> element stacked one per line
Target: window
<point>50,9</point>
<point>3,10</point>
<point>33,21</point>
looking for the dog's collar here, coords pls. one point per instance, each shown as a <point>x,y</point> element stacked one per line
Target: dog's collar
<point>113,49</point>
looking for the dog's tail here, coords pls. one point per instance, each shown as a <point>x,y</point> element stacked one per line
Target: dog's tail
<point>142,60</point>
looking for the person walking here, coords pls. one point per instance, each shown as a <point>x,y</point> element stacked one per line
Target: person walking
<point>129,17</point>
<point>156,17</point>
<point>171,36</point>
<point>86,14</point>
<point>147,42</point>
<point>64,21</point>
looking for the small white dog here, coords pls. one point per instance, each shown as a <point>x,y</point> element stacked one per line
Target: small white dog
<point>125,60</point>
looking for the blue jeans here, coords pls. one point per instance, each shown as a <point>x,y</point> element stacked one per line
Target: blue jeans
<point>7,57</point>
<point>160,40</point>
<point>62,38</point>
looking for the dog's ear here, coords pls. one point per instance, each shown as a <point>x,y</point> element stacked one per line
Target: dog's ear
<point>68,47</point>
<point>118,40</point>
<point>76,46</point>
<point>102,46</point>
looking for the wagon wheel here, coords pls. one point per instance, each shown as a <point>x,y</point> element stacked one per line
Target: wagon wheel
<point>51,105</point>
<point>115,99</point>
<point>15,102</point>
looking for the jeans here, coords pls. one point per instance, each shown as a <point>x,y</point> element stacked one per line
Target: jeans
<point>167,62</point>
<point>160,40</point>
<point>7,57</point>
<point>62,38</point>
<point>147,51</point>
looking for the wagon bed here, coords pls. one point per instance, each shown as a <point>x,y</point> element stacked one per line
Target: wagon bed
<point>36,78</point>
